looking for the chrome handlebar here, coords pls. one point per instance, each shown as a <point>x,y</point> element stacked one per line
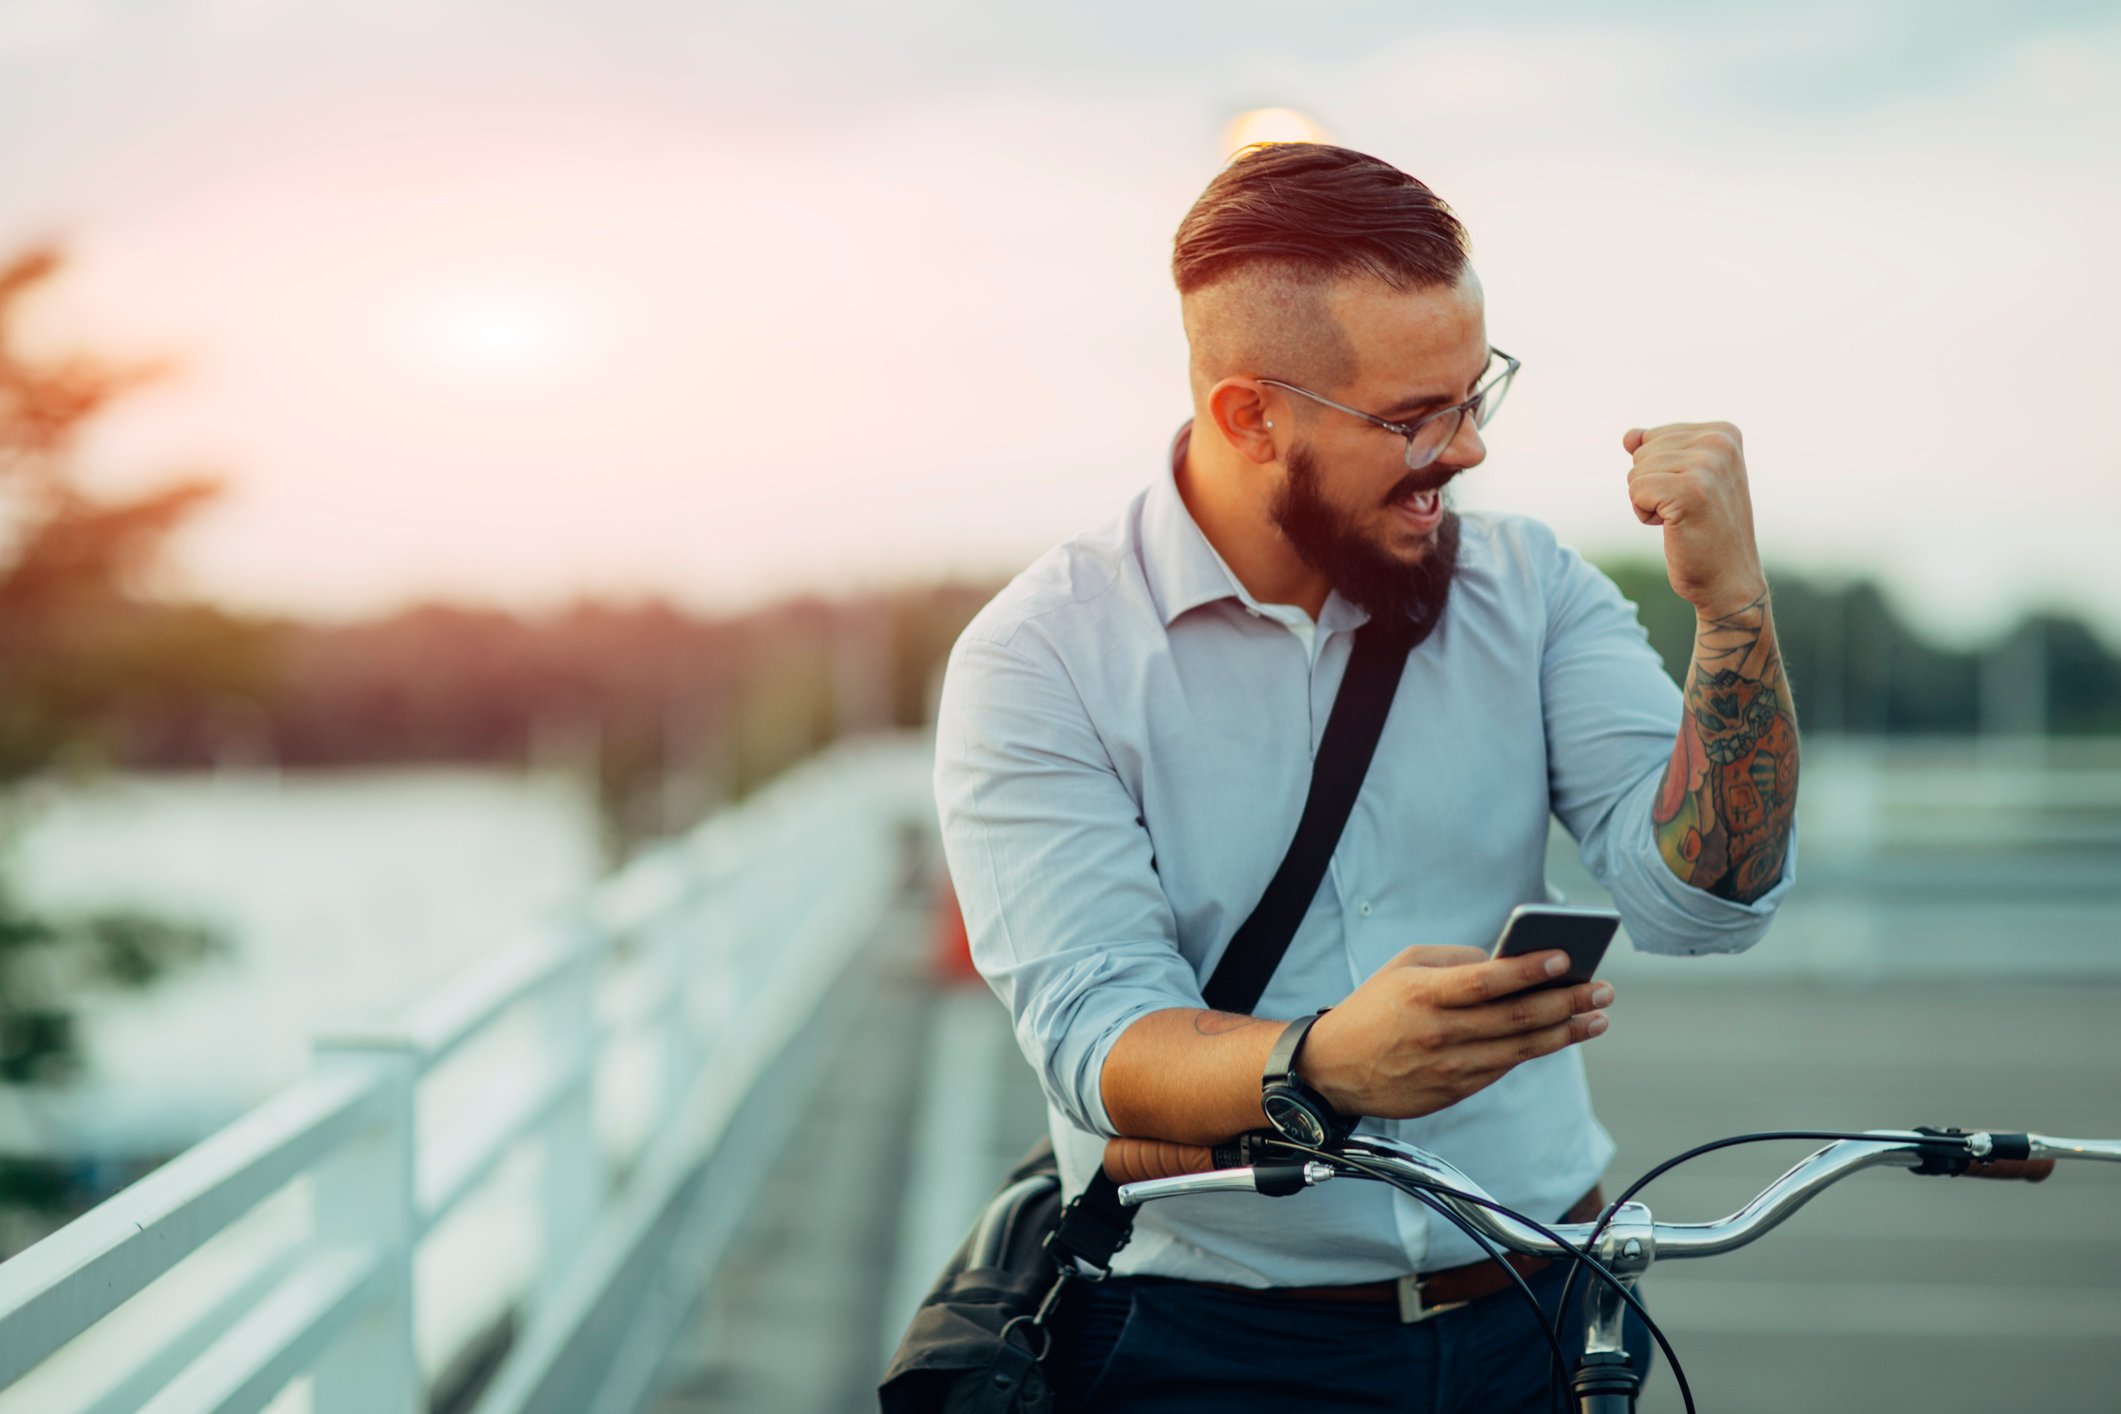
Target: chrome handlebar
<point>1239,1180</point>
<point>2046,1147</point>
<point>1632,1224</point>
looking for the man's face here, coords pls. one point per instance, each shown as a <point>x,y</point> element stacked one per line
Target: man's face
<point>1347,504</point>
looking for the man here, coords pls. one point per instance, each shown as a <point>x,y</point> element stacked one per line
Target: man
<point>1125,745</point>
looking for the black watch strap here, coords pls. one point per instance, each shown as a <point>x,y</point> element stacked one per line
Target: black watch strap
<point>1281,1061</point>
<point>1298,1112</point>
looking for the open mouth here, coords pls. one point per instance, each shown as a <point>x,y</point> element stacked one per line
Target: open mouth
<point>1421,506</point>
<point>1417,487</point>
<point>1419,511</point>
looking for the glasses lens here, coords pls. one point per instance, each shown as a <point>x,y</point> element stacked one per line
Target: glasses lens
<point>1429,439</point>
<point>1492,394</point>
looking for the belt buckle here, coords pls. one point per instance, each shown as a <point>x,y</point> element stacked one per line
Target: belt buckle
<point>1411,1310</point>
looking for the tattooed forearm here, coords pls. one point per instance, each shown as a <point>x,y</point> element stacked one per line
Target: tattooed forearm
<point>1729,794</point>
<point>1220,1023</point>
<point>1742,643</point>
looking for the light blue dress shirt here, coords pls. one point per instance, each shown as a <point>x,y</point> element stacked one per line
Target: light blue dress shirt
<point>1123,749</point>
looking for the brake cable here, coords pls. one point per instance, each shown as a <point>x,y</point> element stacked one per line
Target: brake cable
<point>1612,1209</point>
<point>1421,1190</point>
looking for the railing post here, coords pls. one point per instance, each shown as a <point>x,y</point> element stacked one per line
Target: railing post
<point>572,1177</point>
<point>363,1197</point>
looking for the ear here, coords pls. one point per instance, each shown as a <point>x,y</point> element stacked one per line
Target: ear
<point>1240,409</point>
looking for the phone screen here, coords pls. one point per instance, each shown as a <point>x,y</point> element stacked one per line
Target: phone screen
<point>1582,933</point>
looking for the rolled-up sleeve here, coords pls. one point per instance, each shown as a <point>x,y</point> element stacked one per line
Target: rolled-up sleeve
<point>1612,716</point>
<point>1052,866</point>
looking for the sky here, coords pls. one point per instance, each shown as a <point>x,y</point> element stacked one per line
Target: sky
<point>515,302</point>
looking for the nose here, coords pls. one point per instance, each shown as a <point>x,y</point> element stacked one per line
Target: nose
<point>1465,450</point>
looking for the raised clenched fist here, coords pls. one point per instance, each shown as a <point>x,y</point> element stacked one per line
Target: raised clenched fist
<point>1689,477</point>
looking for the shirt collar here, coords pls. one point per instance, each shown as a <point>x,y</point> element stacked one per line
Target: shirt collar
<point>1183,569</point>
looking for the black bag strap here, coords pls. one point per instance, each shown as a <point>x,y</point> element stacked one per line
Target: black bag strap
<point>1095,1225</point>
<point>1344,752</point>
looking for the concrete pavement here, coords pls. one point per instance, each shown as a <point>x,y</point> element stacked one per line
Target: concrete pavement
<point>1889,1292</point>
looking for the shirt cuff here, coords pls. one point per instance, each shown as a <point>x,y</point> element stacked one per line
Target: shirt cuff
<point>1068,1028</point>
<point>1089,1111</point>
<point>1665,914</point>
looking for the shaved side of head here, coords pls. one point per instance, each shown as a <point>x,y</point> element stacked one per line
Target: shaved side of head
<point>1268,319</point>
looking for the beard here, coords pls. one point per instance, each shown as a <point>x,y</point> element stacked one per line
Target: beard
<point>1360,569</point>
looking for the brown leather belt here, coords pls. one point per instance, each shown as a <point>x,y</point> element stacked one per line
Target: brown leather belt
<point>1431,1293</point>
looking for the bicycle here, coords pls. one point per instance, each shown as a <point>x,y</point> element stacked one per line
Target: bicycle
<point>1618,1246</point>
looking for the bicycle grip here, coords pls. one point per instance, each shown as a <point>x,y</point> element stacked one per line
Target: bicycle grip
<point>1133,1160</point>
<point>2027,1170</point>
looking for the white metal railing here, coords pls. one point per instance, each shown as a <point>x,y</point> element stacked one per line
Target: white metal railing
<point>648,1049</point>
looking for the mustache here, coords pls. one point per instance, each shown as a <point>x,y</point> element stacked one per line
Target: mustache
<point>1427,479</point>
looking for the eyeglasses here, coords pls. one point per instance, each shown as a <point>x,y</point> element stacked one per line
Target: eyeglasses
<point>1428,436</point>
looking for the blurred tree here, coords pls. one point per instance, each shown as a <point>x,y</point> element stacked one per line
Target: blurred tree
<point>85,649</point>
<point>87,656</point>
<point>1858,667</point>
<point>45,964</point>
<point>925,623</point>
<point>2082,690</point>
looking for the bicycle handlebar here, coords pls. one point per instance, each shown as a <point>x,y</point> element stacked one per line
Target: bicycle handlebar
<point>1148,1170</point>
<point>1138,1160</point>
<point>2027,1170</point>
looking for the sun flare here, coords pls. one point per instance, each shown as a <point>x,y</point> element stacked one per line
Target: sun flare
<point>1270,125</point>
<point>490,333</point>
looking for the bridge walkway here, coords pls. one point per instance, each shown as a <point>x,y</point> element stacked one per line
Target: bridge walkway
<point>1889,1292</point>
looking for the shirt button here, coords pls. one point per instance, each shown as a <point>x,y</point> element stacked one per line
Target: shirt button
<point>1363,908</point>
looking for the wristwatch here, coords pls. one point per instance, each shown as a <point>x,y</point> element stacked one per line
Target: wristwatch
<point>1299,1113</point>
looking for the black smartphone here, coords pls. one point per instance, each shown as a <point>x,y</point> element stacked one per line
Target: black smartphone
<point>1582,933</point>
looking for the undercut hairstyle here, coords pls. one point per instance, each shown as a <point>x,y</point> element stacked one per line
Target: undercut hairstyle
<point>1282,223</point>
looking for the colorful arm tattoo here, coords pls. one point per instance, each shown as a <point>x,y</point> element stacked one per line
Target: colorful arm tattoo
<point>1724,809</point>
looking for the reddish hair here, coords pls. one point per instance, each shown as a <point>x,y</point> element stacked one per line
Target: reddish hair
<point>1321,211</point>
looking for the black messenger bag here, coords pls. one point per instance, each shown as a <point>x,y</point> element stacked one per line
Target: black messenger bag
<point>979,1341</point>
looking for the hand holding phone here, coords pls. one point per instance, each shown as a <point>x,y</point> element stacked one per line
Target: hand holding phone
<point>1438,1023</point>
<point>1582,933</point>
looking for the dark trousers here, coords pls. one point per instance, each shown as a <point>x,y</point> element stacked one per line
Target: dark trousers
<point>1169,1347</point>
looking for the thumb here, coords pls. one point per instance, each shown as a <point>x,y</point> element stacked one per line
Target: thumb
<point>1631,441</point>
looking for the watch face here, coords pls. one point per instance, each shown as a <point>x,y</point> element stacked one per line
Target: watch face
<point>1293,1120</point>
